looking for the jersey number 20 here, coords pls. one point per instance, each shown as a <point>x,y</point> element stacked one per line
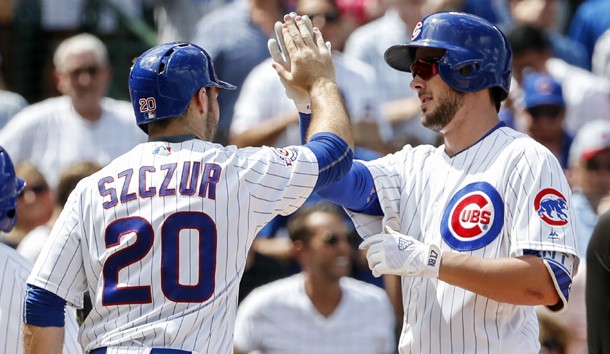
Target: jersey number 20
<point>115,294</point>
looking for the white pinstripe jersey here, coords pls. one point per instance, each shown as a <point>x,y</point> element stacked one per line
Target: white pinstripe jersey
<point>160,238</point>
<point>503,195</point>
<point>14,270</point>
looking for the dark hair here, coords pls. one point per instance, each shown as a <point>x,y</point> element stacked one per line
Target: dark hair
<point>70,178</point>
<point>298,225</point>
<point>497,96</point>
<point>524,38</point>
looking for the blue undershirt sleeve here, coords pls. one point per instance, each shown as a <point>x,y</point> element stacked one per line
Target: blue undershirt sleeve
<point>356,189</point>
<point>42,308</point>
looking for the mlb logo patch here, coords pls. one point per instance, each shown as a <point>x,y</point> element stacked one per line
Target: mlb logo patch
<point>287,155</point>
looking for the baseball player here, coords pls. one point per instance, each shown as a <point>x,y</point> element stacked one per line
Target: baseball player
<point>15,269</point>
<point>159,237</point>
<point>481,228</point>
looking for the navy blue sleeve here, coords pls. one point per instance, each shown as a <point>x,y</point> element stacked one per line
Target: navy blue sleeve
<point>43,308</point>
<point>334,157</point>
<point>355,191</point>
<point>304,121</point>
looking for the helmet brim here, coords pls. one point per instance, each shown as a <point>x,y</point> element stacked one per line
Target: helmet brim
<point>398,57</point>
<point>20,185</point>
<point>225,85</point>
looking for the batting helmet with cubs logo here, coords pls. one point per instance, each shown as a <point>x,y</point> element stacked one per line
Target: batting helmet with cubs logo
<point>163,80</point>
<point>10,187</point>
<point>477,54</point>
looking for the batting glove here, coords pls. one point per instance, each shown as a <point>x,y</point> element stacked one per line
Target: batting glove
<point>277,49</point>
<point>398,254</point>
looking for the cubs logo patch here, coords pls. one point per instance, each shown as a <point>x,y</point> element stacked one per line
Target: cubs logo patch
<point>551,206</point>
<point>416,31</point>
<point>287,155</point>
<point>473,218</point>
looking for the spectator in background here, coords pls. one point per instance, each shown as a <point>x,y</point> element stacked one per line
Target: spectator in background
<point>34,204</point>
<point>586,96</point>
<point>544,115</point>
<point>601,56</point>
<point>598,287</point>
<point>368,44</point>
<point>542,14</point>
<point>265,116</point>
<point>10,102</point>
<point>15,270</point>
<point>340,314</point>
<point>589,22</point>
<point>589,176</point>
<point>494,11</point>
<point>81,125</point>
<point>32,243</point>
<point>236,37</point>
<point>176,19</point>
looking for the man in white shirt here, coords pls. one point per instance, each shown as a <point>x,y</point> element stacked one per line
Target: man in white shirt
<point>319,310</point>
<point>81,125</point>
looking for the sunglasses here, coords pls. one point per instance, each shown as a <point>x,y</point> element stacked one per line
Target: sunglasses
<point>594,165</point>
<point>545,111</point>
<point>90,70</point>
<point>37,189</point>
<point>332,239</point>
<point>426,68</point>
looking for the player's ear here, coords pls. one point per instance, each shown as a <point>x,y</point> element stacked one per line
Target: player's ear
<point>201,101</point>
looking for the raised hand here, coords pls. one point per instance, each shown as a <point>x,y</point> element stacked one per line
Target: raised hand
<point>306,59</point>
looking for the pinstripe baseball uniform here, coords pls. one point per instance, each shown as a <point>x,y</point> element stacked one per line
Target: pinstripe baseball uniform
<point>504,195</point>
<point>163,233</point>
<point>14,270</point>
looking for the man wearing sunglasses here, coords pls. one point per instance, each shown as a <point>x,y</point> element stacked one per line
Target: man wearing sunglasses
<point>15,269</point>
<point>341,314</point>
<point>480,229</point>
<point>544,114</point>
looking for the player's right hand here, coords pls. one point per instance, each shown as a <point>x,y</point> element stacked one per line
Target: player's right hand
<point>306,59</point>
<point>398,254</point>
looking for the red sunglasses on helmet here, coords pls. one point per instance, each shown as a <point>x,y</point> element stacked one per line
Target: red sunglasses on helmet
<point>426,68</point>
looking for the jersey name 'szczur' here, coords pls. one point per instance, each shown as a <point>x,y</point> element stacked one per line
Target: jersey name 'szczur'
<point>164,233</point>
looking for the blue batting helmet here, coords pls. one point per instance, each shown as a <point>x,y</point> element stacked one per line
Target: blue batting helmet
<point>10,187</point>
<point>163,80</point>
<point>477,54</point>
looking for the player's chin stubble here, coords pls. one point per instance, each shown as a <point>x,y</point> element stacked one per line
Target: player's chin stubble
<point>449,104</point>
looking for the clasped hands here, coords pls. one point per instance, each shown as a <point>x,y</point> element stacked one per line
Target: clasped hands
<point>398,254</point>
<point>301,57</point>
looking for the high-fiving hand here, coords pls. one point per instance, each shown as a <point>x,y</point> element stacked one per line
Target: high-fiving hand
<point>300,57</point>
<point>398,254</point>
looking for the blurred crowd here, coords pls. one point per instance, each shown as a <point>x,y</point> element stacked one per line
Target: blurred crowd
<point>64,114</point>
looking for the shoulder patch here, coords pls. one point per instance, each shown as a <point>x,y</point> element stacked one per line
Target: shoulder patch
<point>551,206</point>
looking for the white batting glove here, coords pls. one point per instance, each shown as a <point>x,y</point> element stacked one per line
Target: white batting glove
<point>277,49</point>
<point>398,254</point>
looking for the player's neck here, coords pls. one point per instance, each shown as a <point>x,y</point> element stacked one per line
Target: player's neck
<point>471,123</point>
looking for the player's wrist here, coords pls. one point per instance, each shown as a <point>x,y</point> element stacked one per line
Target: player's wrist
<point>303,107</point>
